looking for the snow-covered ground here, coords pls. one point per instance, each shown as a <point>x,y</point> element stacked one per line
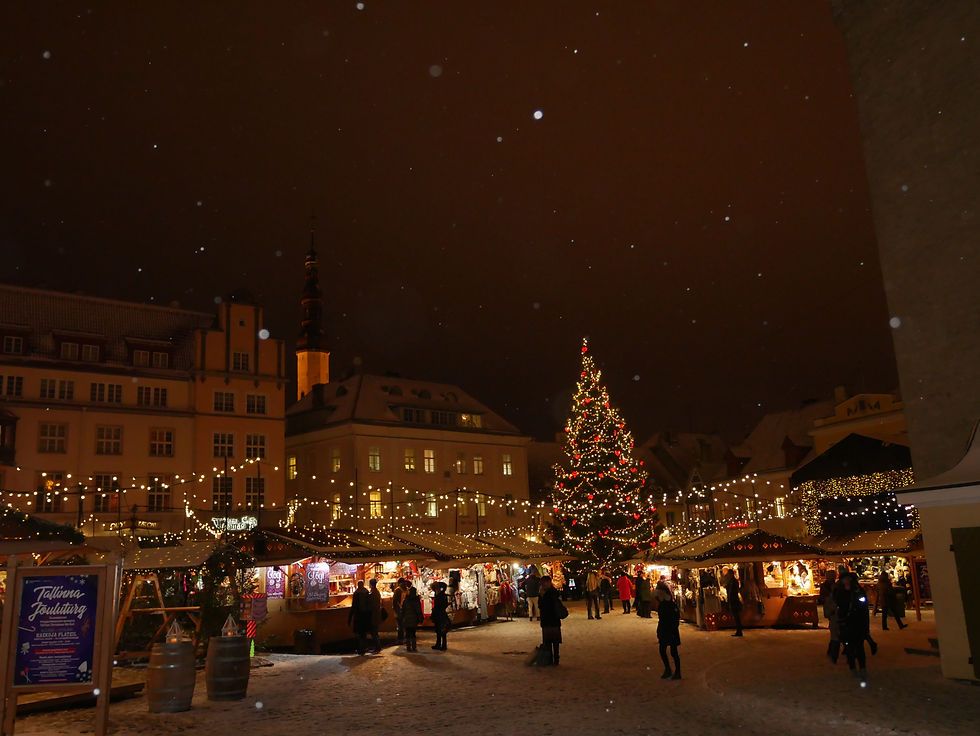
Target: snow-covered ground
<point>769,682</point>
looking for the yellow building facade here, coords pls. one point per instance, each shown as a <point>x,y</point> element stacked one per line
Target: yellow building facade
<point>119,416</point>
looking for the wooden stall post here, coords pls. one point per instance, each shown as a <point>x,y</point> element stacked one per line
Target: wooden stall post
<point>916,595</point>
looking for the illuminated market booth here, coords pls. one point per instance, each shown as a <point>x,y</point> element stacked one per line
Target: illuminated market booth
<point>525,554</point>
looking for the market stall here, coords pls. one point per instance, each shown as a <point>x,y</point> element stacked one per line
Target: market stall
<point>506,594</point>
<point>775,573</point>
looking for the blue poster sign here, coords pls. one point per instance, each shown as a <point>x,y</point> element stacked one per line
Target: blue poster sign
<point>56,627</point>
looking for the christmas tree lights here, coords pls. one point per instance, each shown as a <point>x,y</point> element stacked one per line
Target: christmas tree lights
<point>603,507</point>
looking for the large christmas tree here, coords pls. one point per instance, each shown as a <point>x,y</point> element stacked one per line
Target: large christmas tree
<point>603,506</point>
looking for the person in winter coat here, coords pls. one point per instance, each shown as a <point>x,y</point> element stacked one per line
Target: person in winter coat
<point>375,599</point>
<point>668,630</point>
<point>888,601</point>
<point>626,591</point>
<point>359,618</point>
<point>397,600</point>
<point>731,584</point>
<point>411,618</point>
<point>440,615</point>
<point>855,623</point>
<point>593,588</point>
<point>532,589</point>
<point>644,595</point>
<point>551,614</point>
<point>827,599</point>
<point>605,591</point>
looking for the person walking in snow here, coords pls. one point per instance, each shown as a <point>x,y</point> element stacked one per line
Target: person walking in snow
<point>532,589</point>
<point>668,630</point>
<point>440,615</point>
<point>593,587</point>
<point>855,624</point>
<point>552,612</point>
<point>888,601</point>
<point>626,591</point>
<point>826,598</point>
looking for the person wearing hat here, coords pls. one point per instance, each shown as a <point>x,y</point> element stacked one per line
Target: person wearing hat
<point>440,615</point>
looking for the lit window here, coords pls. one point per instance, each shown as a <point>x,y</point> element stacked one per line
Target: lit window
<point>292,467</point>
<point>477,465</point>
<point>108,440</point>
<point>374,459</point>
<point>510,509</point>
<point>223,444</point>
<point>481,504</point>
<point>13,345</point>
<point>410,459</point>
<point>158,493</point>
<point>49,495</point>
<point>429,461</point>
<point>375,505</point>
<point>470,420</point>
<point>460,462</point>
<point>161,442</point>
<point>239,361</point>
<point>105,488</point>
<point>507,464</point>
<point>335,459</point>
<point>463,506</point>
<point>336,510</point>
<point>69,351</point>
<point>221,493</point>
<point>255,445</point>
<point>431,505</point>
<point>781,507</point>
<point>255,404</point>
<point>52,437</point>
<point>141,358</point>
<point>255,493</point>
<point>90,353</point>
<point>224,401</point>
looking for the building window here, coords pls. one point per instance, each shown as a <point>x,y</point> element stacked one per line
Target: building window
<point>161,442</point>
<point>149,396</point>
<point>158,493</point>
<point>49,388</point>
<point>108,440</point>
<point>239,361</point>
<point>254,493</point>
<point>429,461</point>
<point>52,437</point>
<point>161,360</point>
<point>49,496</point>
<point>224,401</point>
<point>442,418</point>
<point>141,358</point>
<point>223,444</point>
<point>463,506</point>
<point>413,416</point>
<point>13,386</point>
<point>69,351</point>
<point>221,493</point>
<point>106,393</point>
<point>374,459</point>
<point>90,353</point>
<point>334,459</point>
<point>431,505</point>
<point>481,504</point>
<point>470,420</point>
<point>66,390</point>
<point>105,490</point>
<point>461,462</point>
<point>375,508</point>
<point>336,511</point>
<point>510,508</point>
<point>507,464</point>
<point>255,445</point>
<point>477,465</point>
<point>780,507</point>
<point>292,467</point>
<point>13,345</point>
<point>410,459</point>
<point>255,404</point>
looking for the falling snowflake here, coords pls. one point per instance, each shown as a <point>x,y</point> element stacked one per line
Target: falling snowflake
<point>435,70</point>
<point>538,114</point>
<point>895,323</point>
<point>46,54</point>
<point>263,334</point>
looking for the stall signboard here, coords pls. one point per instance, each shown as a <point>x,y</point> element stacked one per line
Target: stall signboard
<point>922,573</point>
<point>56,625</point>
<point>275,583</point>
<point>317,582</point>
<point>259,610</point>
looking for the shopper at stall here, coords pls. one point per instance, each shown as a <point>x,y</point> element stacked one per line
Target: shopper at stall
<point>855,623</point>
<point>359,618</point>
<point>668,630</point>
<point>593,589</point>
<point>644,595</point>
<point>397,601</point>
<point>552,612</point>
<point>376,615</point>
<point>626,591</point>
<point>440,615</point>
<point>605,590</point>
<point>888,601</point>
<point>411,618</point>
<point>731,584</point>
<point>532,589</point>
<point>827,599</point>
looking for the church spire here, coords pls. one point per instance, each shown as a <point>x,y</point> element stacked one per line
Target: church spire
<point>312,356</point>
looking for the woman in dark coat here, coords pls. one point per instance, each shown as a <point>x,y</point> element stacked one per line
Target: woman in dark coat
<point>440,615</point>
<point>855,623</point>
<point>552,610</point>
<point>668,630</point>
<point>888,601</point>
<point>410,618</point>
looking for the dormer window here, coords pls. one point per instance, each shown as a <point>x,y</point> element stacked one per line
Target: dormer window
<point>470,420</point>
<point>90,353</point>
<point>13,345</point>
<point>141,358</point>
<point>413,416</point>
<point>69,351</point>
<point>161,359</point>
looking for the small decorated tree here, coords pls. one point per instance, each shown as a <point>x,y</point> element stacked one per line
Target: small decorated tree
<point>603,506</point>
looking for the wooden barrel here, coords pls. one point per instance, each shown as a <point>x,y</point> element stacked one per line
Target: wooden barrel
<point>228,664</point>
<point>170,677</point>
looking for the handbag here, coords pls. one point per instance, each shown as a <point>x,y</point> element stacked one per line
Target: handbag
<point>562,610</point>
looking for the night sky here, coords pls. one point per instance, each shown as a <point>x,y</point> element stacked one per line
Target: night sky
<point>692,195</point>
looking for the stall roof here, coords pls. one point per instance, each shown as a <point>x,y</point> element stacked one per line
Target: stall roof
<point>184,555</point>
<point>748,544</point>
<point>450,546</point>
<point>874,543</point>
<point>22,533</point>
<point>524,549</point>
<point>345,545</point>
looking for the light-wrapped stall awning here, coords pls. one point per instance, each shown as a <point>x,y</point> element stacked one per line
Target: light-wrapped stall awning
<point>747,544</point>
<point>182,556</point>
<point>346,545</point>
<point>890,541</point>
<point>524,549</point>
<point>456,548</point>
